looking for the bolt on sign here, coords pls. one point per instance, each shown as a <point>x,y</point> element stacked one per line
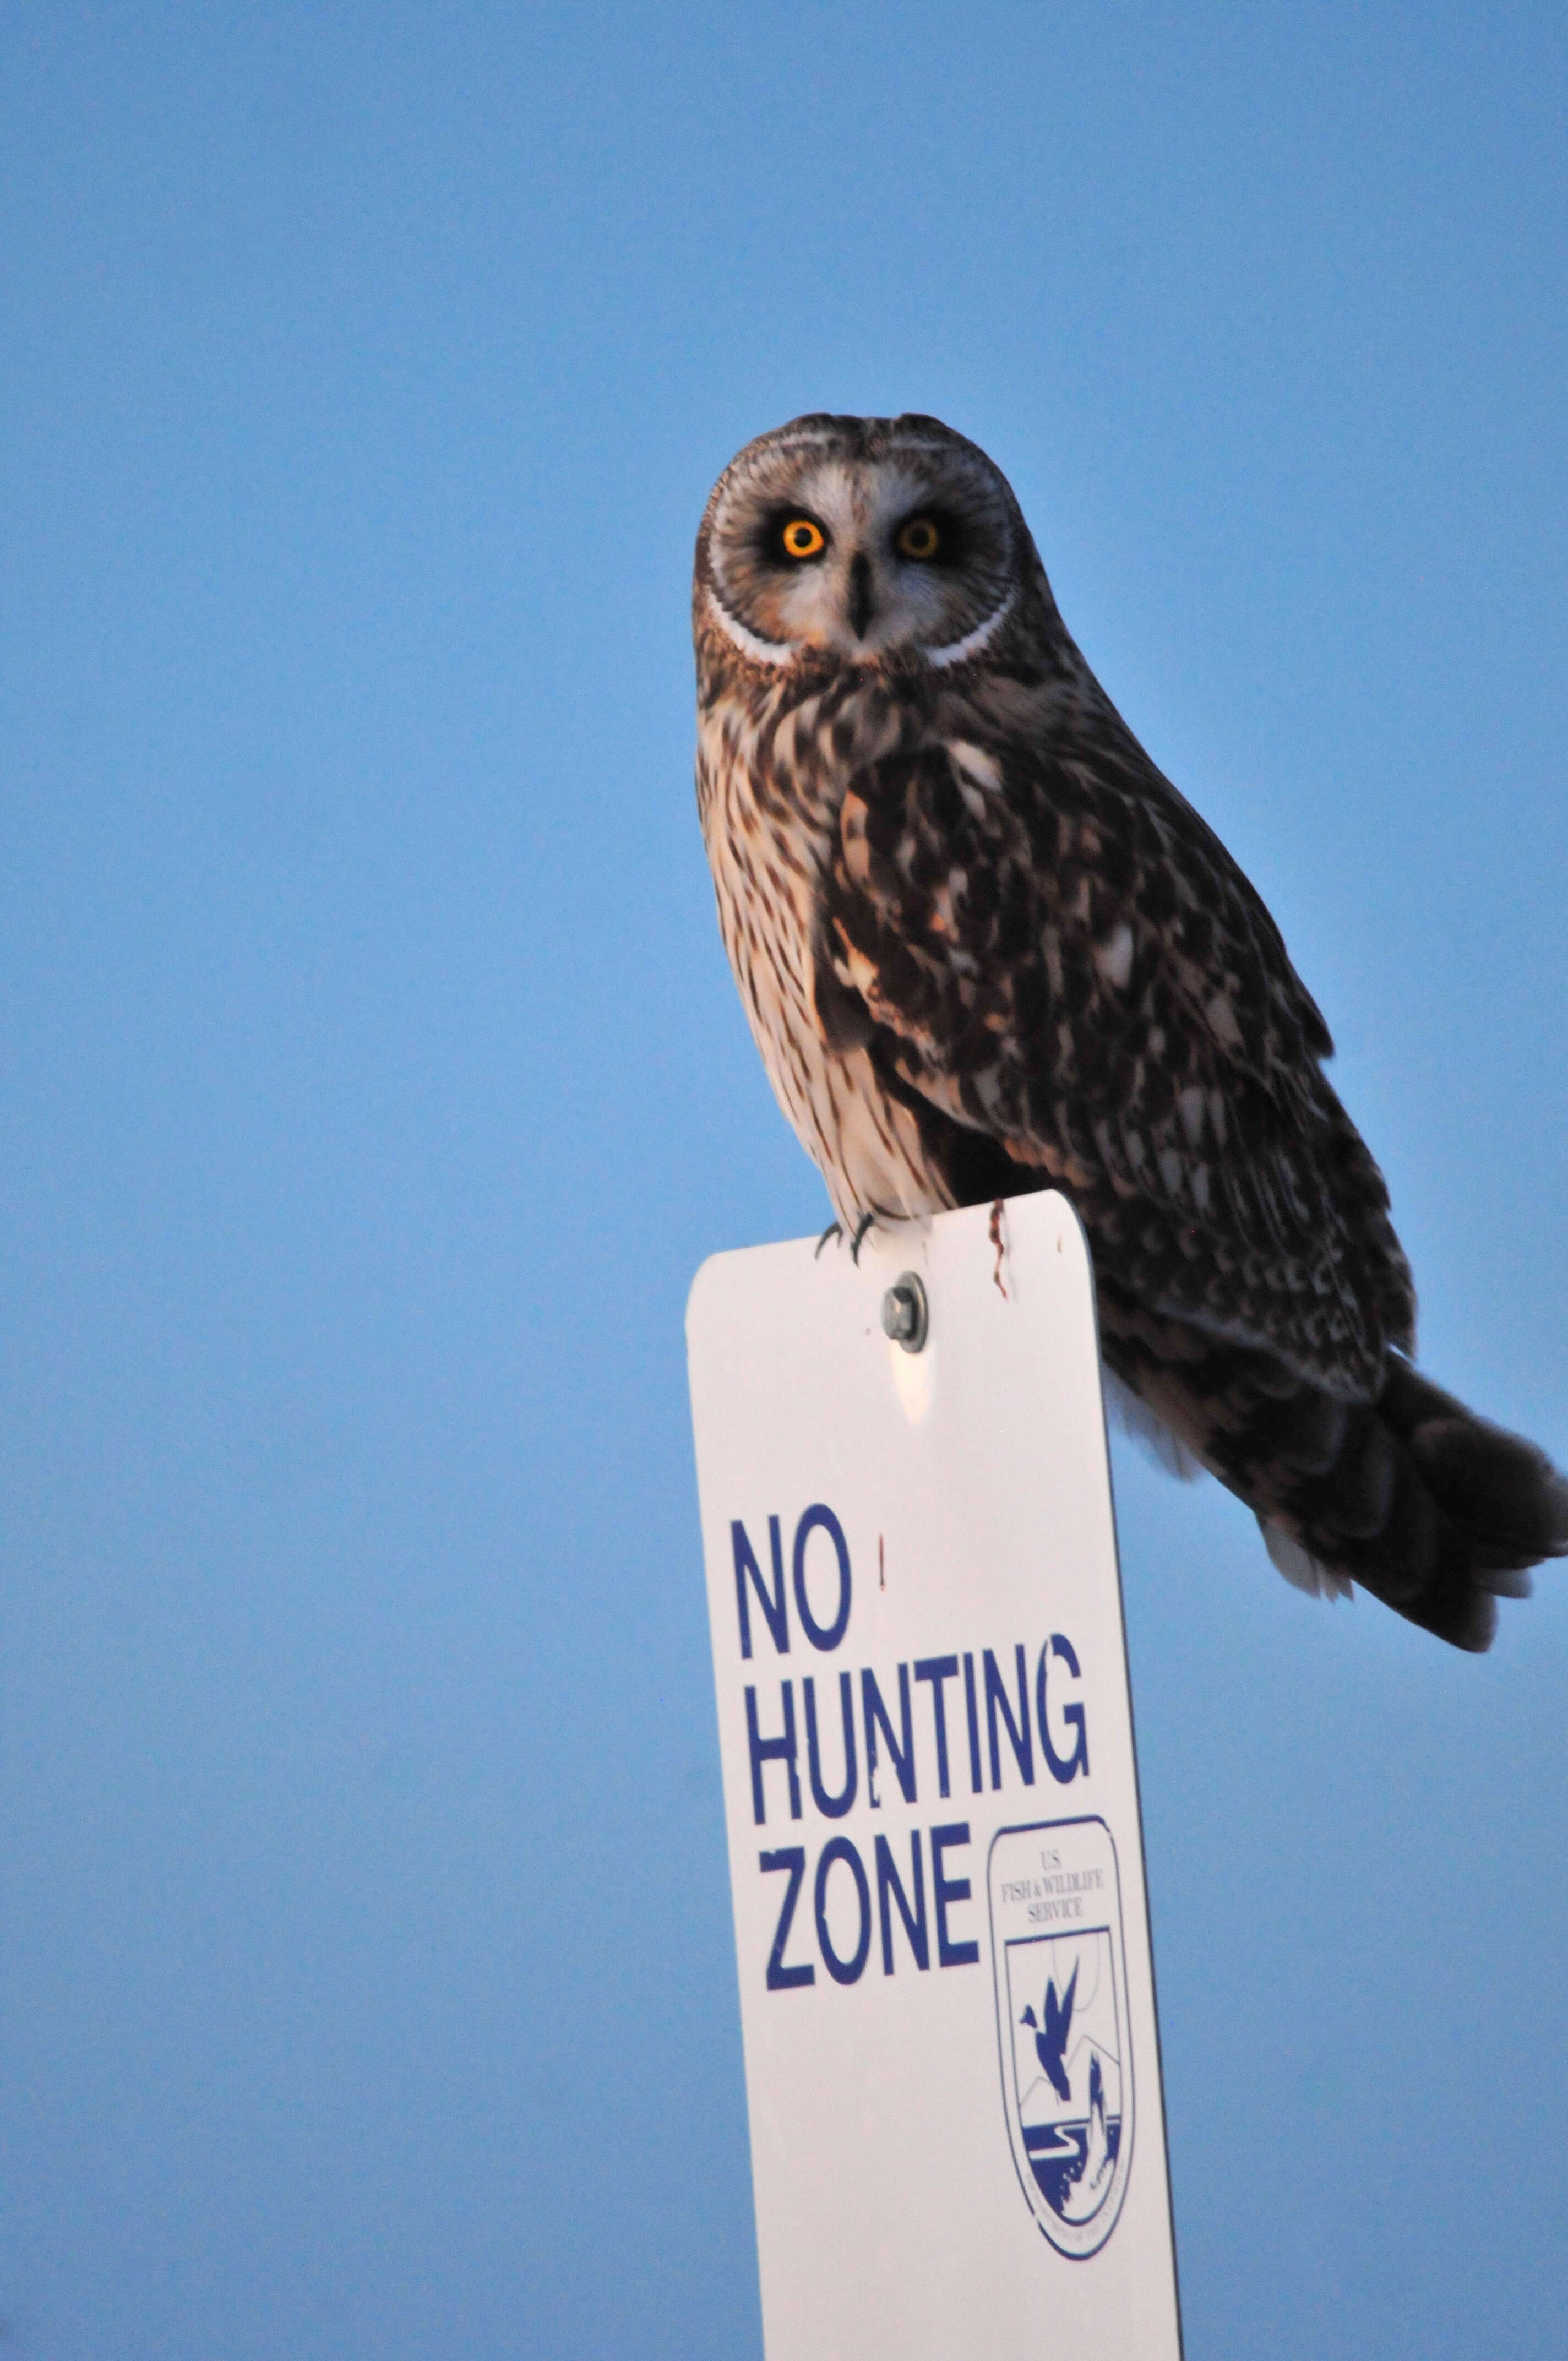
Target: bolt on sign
<point>947,1993</point>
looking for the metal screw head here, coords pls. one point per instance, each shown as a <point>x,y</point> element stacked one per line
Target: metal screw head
<point>905,1314</point>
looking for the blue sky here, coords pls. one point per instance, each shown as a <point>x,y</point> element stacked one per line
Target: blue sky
<point>374,1084</point>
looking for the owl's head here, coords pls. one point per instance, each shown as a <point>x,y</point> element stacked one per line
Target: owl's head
<point>860,541</point>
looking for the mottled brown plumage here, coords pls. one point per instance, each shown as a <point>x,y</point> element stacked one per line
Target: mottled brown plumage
<point>984,945</point>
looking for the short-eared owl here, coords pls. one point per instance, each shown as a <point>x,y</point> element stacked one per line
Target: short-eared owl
<point>984,946</point>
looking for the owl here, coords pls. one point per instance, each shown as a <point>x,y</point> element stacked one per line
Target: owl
<point>985,945</point>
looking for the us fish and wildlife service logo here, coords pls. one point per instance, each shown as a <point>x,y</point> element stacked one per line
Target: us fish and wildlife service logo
<point>1061,2022</point>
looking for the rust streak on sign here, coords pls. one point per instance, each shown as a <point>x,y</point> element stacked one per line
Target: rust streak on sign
<point>1000,1244</point>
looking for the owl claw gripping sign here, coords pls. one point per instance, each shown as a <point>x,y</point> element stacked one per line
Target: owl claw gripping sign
<point>945,1988</point>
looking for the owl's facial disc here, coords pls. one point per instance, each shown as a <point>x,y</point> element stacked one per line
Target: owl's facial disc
<point>908,547</point>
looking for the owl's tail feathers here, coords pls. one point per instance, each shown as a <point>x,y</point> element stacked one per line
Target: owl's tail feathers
<point>1429,1508</point>
<point>1434,1511</point>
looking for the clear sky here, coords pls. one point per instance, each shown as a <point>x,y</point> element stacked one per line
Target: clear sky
<point>374,1084</point>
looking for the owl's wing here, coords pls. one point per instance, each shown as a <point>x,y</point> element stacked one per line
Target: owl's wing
<point>1054,951</point>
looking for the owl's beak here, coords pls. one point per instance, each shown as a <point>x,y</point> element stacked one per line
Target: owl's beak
<point>862,605</point>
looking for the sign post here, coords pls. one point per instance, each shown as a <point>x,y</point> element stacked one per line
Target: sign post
<point>947,1993</point>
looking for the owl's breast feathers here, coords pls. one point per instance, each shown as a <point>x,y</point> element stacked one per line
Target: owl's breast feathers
<point>772,761</point>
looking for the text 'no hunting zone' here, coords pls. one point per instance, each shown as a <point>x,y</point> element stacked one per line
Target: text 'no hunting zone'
<point>991,1714</point>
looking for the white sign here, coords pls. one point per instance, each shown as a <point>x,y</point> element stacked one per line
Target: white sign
<point>952,2065</point>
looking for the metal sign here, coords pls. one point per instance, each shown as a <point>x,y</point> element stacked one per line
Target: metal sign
<point>952,2064</point>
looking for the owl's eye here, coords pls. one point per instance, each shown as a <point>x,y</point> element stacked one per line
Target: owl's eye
<point>801,536</point>
<point>918,538</point>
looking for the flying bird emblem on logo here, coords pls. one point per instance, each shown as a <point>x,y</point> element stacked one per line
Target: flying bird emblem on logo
<point>1050,2040</point>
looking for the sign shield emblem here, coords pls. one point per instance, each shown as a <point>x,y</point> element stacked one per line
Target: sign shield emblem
<point>1061,2021</point>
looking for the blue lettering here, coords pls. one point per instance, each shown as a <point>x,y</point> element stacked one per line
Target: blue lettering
<point>903,1755</point>
<point>948,1889</point>
<point>832,1808</point>
<point>1067,1766</point>
<point>938,1670</point>
<point>779,1978</point>
<point>889,1883</point>
<point>977,1783</point>
<point>843,1971</point>
<point>824,1636</point>
<point>776,1608</point>
<point>1018,1731</point>
<point>772,1749</point>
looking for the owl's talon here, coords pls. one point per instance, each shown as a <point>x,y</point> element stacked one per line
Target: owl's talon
<point>836,1230</point>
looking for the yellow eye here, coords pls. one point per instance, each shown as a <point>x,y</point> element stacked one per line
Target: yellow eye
<point>803,537</point>
<point>919,538</point>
